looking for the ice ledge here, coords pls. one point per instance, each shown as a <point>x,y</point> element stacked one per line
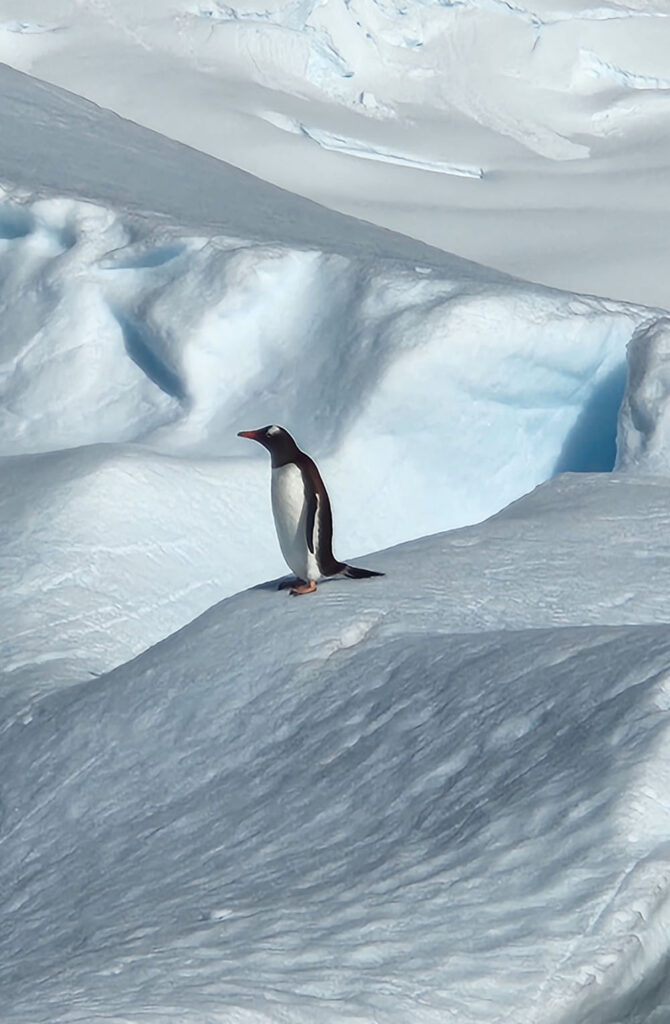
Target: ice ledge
<point>643,438</point>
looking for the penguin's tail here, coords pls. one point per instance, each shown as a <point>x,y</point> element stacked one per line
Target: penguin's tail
<point>354,573</point>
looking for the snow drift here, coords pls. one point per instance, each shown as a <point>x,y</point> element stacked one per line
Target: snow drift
<point>428,797</point>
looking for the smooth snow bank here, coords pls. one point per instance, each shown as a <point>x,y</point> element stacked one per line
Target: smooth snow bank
<point>349,807</point>
<point>58,144</point>
<point>106,550</point>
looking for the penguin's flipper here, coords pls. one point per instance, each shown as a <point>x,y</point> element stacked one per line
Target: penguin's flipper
<point>289,584</point>
<point>310,523</point>
<point>354,573</point>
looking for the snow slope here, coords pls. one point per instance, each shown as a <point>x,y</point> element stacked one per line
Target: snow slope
<point>529,136</point>
<point>438,795</point>
<point>140,333</point>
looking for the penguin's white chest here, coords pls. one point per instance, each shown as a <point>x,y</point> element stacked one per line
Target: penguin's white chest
<point>289,508</point>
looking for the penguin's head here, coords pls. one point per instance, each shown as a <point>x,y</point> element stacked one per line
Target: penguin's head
<point>267,436</point>
<point>277,440</point>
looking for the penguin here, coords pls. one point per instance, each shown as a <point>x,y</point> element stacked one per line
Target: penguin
<point>302,515</point>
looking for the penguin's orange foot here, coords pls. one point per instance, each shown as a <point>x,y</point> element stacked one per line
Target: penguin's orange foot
<point>304,588</point>
<point>290,584</point>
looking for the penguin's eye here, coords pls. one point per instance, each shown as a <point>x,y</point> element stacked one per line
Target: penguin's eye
<point>271,431</point>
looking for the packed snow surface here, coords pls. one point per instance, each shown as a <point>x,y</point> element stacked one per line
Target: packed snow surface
<point>437,795</point>
<point>532,136</point>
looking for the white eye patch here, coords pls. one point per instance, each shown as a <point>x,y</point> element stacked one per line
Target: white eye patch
<point>273,430</point>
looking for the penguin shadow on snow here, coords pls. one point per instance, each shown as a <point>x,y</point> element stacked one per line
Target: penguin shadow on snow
<point>275,586</point>
<point>590,446</point>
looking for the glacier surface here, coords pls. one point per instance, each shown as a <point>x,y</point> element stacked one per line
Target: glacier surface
<point>437,795</point>
<point>552,113</point>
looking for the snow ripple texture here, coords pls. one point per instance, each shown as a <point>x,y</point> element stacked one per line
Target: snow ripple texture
<point>358,811</point>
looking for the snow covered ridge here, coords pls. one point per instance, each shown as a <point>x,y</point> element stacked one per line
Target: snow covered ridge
<point>440,795</point>
<point>115,331</point>
<point>431,390</point>
<point>432,395</point>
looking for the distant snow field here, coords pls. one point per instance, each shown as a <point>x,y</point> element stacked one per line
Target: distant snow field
<point>547,120</point>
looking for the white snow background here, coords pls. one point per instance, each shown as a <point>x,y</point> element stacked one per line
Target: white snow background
<point>436,796</point>
<point>530,135</point>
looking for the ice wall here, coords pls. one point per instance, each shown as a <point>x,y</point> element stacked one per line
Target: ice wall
<point>643,440</point>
